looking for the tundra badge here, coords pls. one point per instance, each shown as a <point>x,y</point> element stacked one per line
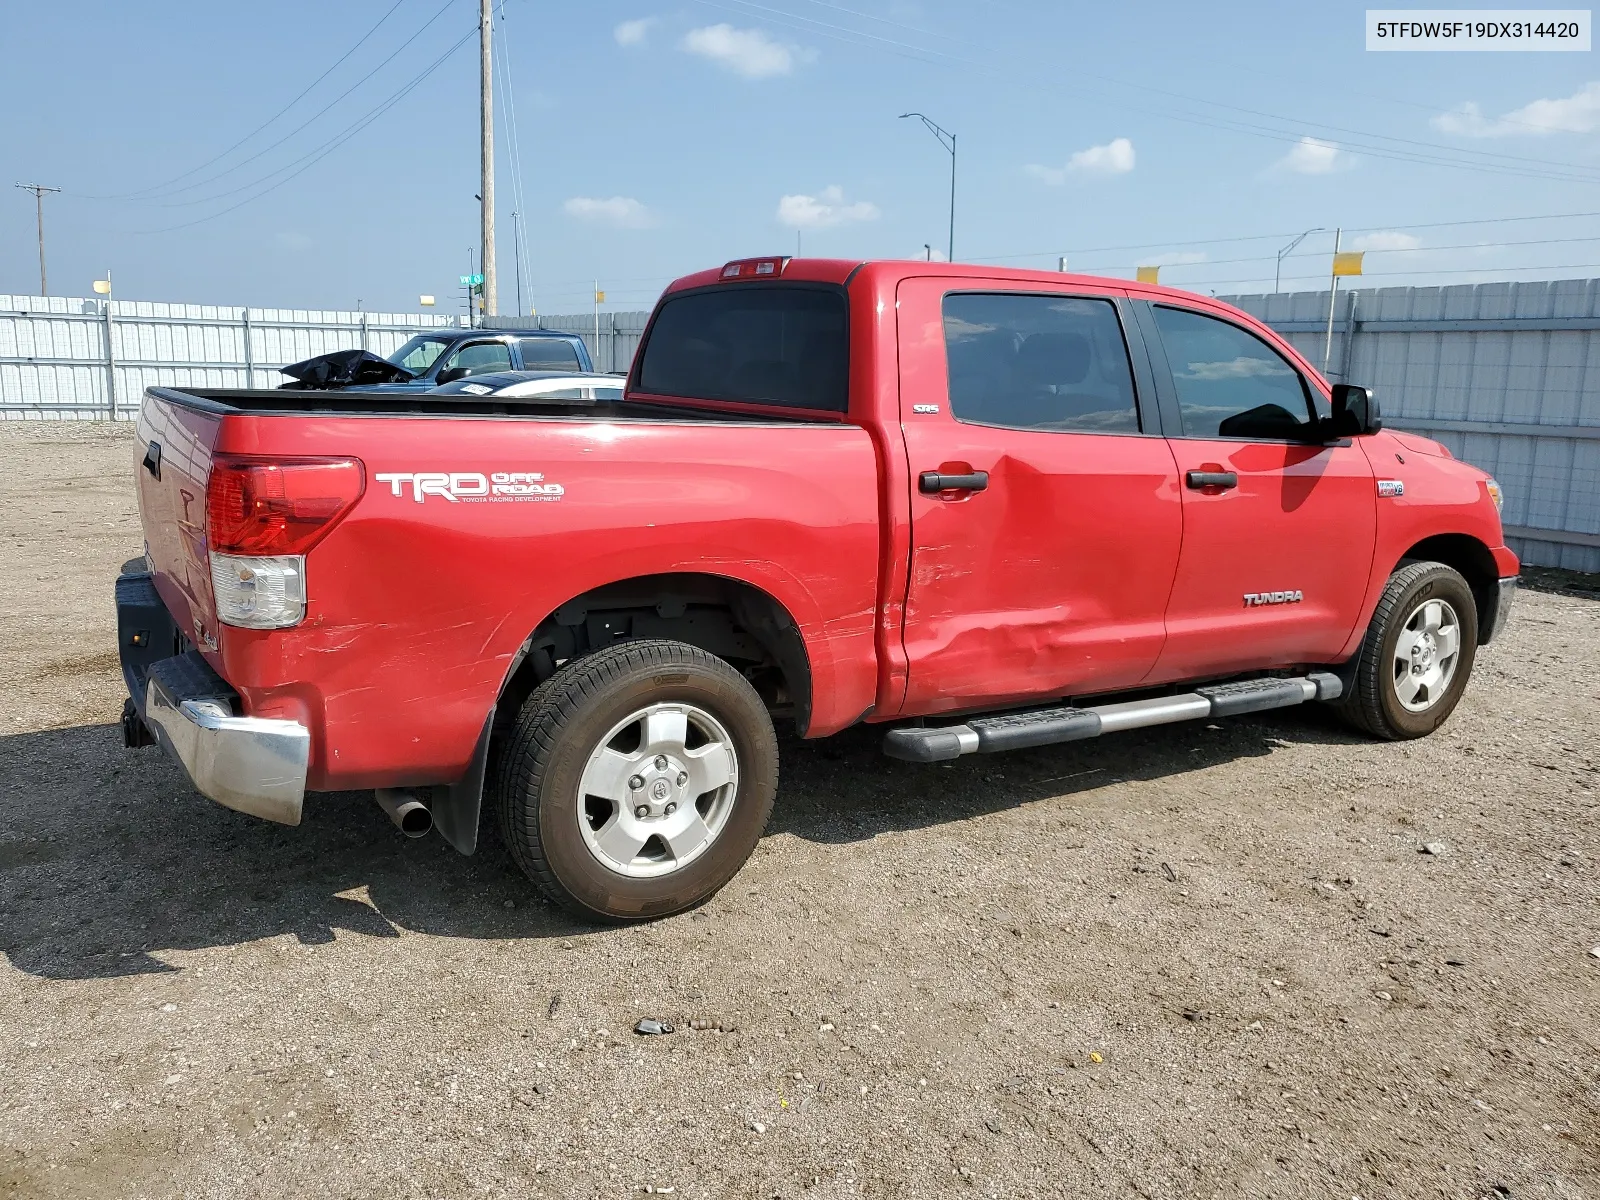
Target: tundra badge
<point>1256,599</point>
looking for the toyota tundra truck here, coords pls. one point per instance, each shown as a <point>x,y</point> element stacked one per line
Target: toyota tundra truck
<point>987,509</point>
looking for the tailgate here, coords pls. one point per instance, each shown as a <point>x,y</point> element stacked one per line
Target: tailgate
<point>175,446</point>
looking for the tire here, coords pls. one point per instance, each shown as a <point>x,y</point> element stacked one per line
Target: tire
<point>568,807</point>
<point>1404,684</point>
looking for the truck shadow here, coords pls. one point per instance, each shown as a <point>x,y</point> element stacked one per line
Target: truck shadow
<point>108,859</point>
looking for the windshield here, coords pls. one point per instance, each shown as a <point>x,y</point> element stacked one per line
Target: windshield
<point>420,353</point>
<point>783,344</point>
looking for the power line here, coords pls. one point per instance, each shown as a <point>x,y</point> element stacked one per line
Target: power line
<point>301,96</point>
<point>1389,274</point>
<point>1256,237</point>
<point>297,129</point>
<point>315,156</point>
<point>519,230</point>
<point>1514,165</point>
<point>1217,262</point>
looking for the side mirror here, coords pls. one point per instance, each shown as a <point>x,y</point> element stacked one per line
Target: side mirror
<point>451,374</point>
<point>1355,411</point>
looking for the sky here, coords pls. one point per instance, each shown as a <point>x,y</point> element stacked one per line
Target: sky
<point>325,154</point>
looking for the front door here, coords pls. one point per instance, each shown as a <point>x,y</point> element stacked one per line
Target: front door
<point>1045,507</point>
<point>1278,534</point>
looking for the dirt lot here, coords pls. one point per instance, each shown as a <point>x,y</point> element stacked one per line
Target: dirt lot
<point>1207,960</point>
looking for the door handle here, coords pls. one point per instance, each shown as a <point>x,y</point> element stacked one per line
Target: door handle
<point>931,483</point>
<point>1216,479</point>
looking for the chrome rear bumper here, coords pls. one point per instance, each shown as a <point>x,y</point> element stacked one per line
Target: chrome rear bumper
<point>254,765</point>
<point>251,764</point>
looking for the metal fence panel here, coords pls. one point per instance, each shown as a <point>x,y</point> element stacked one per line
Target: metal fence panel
<point>1506,375</point>
<point>61,356</point>
<point>616,345</point>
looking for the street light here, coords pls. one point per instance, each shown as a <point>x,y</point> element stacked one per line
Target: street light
<point>1277,274</point>
<point>948,141</point>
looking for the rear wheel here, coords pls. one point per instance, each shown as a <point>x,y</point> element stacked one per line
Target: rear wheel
<point>637,780</point>
<point>1417,656</point>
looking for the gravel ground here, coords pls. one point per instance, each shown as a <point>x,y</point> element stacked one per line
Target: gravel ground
<point>1205,960</point>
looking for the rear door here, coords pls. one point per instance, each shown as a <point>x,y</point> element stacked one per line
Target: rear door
<point>1277,533</point>
<point>1052,577</point>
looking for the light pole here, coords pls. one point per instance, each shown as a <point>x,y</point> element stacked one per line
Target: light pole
<point>1278,273</point>
<point>948,141</point>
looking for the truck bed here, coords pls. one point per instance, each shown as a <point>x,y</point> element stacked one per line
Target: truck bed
<point>418,603</point>
<point>268,402</point>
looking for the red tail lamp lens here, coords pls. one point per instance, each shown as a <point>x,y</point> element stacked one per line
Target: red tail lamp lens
<point>279,505</point>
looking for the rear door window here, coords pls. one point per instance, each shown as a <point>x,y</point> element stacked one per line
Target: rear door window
<point>548,354</point>
<point>1230,383</point>
<point>784,345</point>
<point>1038,362</point>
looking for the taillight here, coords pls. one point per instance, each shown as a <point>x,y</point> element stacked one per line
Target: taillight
<point>277,506</point>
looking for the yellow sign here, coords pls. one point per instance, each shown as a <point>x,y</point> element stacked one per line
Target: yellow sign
<point>425,301</point>
<point>102,287</point>
<point>1348,262</point>
<point>599,297</point>
<point>1148,274</point>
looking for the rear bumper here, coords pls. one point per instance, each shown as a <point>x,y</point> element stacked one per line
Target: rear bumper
<point>253,765</point>
<point>1505,594</point>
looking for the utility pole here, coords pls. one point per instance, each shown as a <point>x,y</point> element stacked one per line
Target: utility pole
<point>39,192</point>
<point>486,106</point>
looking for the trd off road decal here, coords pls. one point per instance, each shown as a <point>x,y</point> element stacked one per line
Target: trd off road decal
<point>472,487</point>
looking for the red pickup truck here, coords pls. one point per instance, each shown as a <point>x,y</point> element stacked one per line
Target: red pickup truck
<point>991,509</point>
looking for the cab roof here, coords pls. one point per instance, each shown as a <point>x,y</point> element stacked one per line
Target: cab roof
<point>887,271</point>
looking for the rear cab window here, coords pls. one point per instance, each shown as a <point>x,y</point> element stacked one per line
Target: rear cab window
<point>785,345</point>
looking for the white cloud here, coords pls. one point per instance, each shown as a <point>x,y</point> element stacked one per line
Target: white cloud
<point>634,33</point>
<point>747,52</point>
<point>1386,239</point>
<point>622,211</point>
<point>1577,113</point>
<point>818,212</point>
<point>1313,156</point>
<point>1116,157</point>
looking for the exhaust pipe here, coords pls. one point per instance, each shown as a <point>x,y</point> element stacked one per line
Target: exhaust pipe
<point>406,809</point>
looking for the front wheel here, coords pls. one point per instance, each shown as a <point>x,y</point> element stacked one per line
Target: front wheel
<point>1417,656</point>
<point>637,780</point>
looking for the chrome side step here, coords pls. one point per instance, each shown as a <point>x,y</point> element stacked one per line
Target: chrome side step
<point>1047,726</point>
